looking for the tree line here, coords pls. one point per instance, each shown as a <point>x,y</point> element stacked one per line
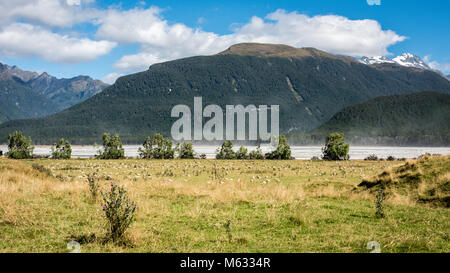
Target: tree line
<point>160,147</point>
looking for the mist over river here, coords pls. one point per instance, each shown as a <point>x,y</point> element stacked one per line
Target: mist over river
<point>299,152</point>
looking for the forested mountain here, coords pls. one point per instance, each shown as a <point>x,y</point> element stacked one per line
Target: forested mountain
<point>412,119</point>
<point>309,85</point>
<point>19,101</point>
<point>26,94</point>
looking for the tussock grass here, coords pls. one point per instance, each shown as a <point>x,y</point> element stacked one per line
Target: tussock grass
<point>217,206</point>
<point>425,180</point>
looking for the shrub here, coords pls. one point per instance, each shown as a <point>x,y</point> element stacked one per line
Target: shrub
<point>1,153</point>
<point>62,150</point>
<point>315,158</point>
<point>42,169</point>
<point>335,148</point>
<point>390,158</point>
<point>242,153</point>
<point>283,150</point>
<point>19,147</point>
<point>185,151</point>
<point>93,185</point>
<point>379,203</point>
<point>256,154</point>
<point>371,158</point>
<point>157,147</point>
<point>112,148</point>
<point>119,211</point>
<point>202,156</point>
<point>226,151</point>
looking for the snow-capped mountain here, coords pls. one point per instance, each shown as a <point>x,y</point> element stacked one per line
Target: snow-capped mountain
<point>376,60</point>
<point>406,59</point>
<point>410,60</point>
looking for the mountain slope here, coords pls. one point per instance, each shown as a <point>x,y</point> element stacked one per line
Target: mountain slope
<point>41,94</point>
<point>412,117</point>
<point>19,101</point>
<point>309,85</point>
<point>66,92</point>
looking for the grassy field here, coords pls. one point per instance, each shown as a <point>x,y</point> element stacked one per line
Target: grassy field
<point>184,205</point>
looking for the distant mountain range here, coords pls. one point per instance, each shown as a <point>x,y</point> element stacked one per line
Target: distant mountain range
<point>406,59</point>
<point>310,86</point>
<point>28,94</point>
<point>413,119</point>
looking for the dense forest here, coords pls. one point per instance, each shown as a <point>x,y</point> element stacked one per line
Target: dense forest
<point>414,119</point>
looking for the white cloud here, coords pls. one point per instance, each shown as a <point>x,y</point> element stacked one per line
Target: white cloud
<point>24,40</point>
<point>54,13</point>
<point>111,78</point>
<point>161,41</point>
<point>332,33</point>
<point>73,2</point>
<point>444,67</point>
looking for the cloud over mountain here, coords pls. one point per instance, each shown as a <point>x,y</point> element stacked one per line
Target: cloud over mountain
<point>161,41</point>
<point>48,29</point>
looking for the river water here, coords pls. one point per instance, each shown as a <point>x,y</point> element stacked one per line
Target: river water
<point>299,152</point>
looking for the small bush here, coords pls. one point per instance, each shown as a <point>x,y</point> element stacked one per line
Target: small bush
<point>202,156</point>
<point>157,147</point>
<point>228,230</point>
<point>185,151</point>
<point>371,158</point>
<point>42,169</point>
<point>256,154</point>
<point>242,153</point>
<point>226,151</point>
<point>315,158</point>
<point>61,150</point>
<point>112,147</point>
<point>93,185</point>
<point>19,147</point>
<point>119,211</point>
<point>282,152</point>
<point>335,148</point>
<point>390,158</point>
<point>381,196</point>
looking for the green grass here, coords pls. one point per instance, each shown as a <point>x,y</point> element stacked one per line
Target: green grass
<point>313,208</point>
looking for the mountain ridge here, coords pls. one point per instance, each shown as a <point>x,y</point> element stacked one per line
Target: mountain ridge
<point>406,60</point>
<point>52,93</point>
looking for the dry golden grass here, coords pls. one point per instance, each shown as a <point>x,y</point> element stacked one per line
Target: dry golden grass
<point>274,206</point>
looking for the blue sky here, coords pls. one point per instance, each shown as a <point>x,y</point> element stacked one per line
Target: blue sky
<point>106,38</point>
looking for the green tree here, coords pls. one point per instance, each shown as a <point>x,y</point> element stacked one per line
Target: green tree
<point>112,147</point>
<point>226,151</point>
<point>335,148</point>
<point>242,153</point>
<point>185,150</point>
<point>256,154</point>
<point>157,147</point>
<point>19,147</point>
<point>283,150</point>
<point>62,150</point>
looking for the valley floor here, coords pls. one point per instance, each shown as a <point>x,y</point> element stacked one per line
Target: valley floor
<point>184,205</point>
